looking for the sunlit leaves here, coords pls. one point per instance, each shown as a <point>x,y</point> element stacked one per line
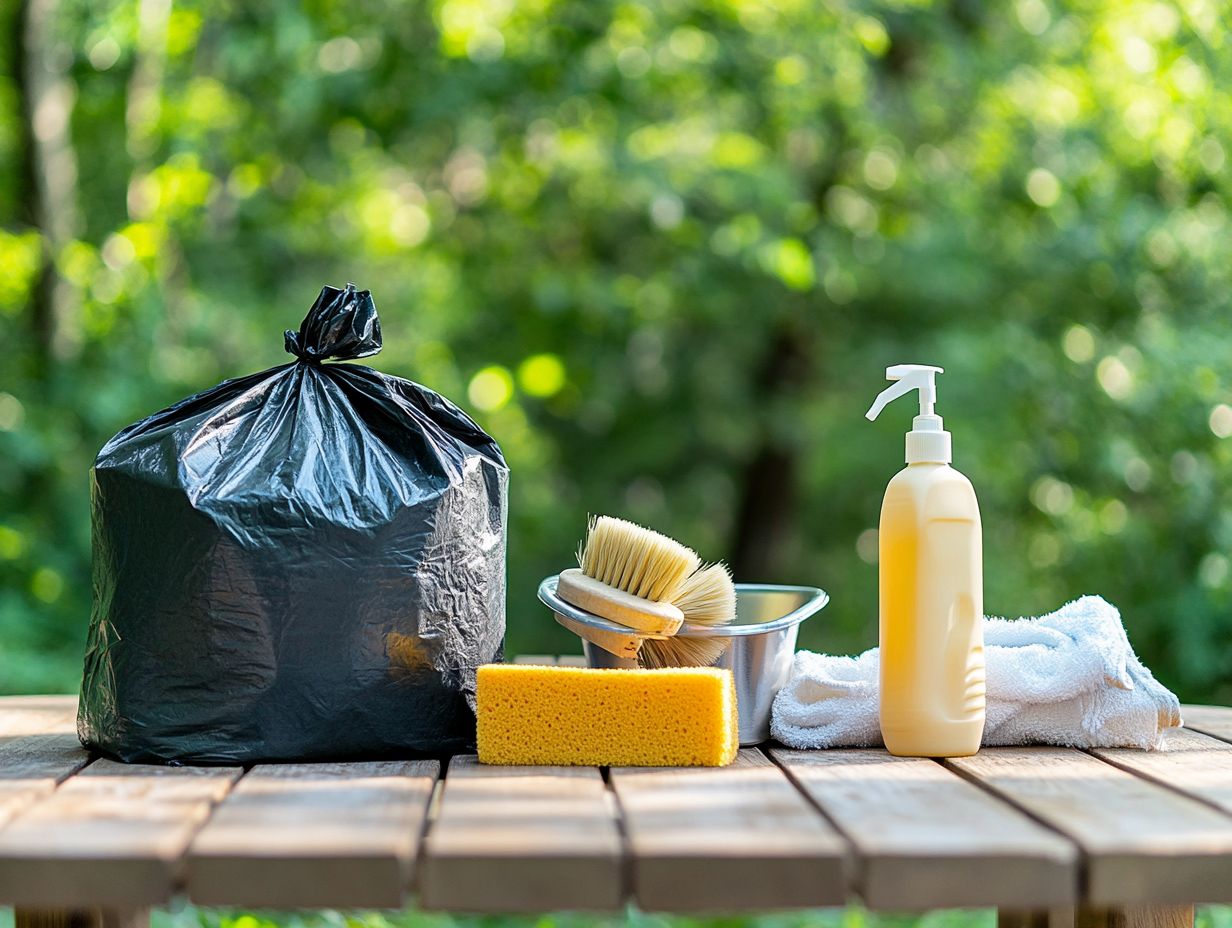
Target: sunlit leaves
<point>643,242</point>
<point>19,263</point>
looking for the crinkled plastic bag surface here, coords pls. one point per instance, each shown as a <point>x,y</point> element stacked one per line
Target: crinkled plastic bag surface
<point>306,563</point>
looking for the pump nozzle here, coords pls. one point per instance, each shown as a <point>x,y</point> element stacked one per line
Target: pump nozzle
<point>927,441</point>
<point>909,377</point>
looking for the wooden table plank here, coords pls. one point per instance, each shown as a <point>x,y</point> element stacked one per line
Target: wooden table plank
<point>1153,827</point>
<point>1211,720</point>
<point>1142,843</point>
<point>112,836</point>
<point>38,749</point>
<point>37,715</point>
<point>32,765</point>
<point>925,838</point>
<point>1189,762</point>
<point>314,836</point>
<point>722,839</point>
<point>522,839</point>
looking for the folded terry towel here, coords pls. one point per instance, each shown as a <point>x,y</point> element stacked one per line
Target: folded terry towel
<point>1068,678</point>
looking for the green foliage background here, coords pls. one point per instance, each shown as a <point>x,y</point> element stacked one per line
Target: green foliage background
<point>663,251</point>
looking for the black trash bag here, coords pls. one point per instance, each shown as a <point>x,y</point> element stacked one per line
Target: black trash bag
<point>303,564</point>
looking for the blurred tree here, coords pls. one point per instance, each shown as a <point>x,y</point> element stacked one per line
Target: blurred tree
<point>663,251</point>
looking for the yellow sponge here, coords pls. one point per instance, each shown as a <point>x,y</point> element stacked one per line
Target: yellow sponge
<point>682,716</point>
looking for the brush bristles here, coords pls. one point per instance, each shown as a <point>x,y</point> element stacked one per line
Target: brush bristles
<point>657,653</point>
<point>707,597</point>
<point>635,559</point>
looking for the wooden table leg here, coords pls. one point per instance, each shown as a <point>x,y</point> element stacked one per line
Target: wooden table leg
<point>1134,916</point>
<point>1137,916</point>
<point>1038,918</point>
<point>81,918</point>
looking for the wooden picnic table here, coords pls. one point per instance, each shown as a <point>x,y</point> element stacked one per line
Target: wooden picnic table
<point>1051,836</point>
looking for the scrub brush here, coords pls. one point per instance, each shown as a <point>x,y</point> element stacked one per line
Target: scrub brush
<point>707,597</point>
<point>629,575</point>
<point>645,581</point>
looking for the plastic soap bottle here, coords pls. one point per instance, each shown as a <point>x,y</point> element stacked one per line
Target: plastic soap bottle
<point>931,589</point>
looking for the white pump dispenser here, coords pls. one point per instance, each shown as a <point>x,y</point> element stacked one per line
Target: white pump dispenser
<point>927,441</point>
<point>931,590</point>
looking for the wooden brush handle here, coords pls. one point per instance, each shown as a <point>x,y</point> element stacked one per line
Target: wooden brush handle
<point>618,606</point>
<point>622,644</point>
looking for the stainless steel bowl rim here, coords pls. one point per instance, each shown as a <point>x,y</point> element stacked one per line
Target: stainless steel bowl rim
<point>817,599</point>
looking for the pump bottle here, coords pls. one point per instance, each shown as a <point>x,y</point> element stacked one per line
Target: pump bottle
<point>931,589</point>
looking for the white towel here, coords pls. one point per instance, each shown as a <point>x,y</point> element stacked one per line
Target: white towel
<point>1068,678</point>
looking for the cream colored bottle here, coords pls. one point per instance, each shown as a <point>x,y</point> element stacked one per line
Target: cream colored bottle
<point>931,590</point>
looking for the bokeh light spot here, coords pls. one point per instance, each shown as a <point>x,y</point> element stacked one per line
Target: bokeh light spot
<point>1139,54</point>
<point>1053,496</point>
<point>1115,378</point>
<point>1033,15</point>
<point>880,169</point>
<point>789,260</point>
<point>872,35</point>
<point>633,61</point>
<point>666,211</point>
<point>790,70</point>
<point>12,543</point>
<point>1213,570</point>
<point>1043,187</point>
<point>1078,344</point>
<point>541,375</point>
<point>12,413</point>
<point>688,43</point>
<point>339,54</point>
<point>1137,474</point>
<point>491,388</point>
<point>1221,420</point>
<point>104,53</point>
<point>1113,516</point>
<point>46,584</point>
<point>867,546</point>
<point>1184,467</point>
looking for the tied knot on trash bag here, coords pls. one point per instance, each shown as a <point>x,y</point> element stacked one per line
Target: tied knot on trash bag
<point>341,324</point>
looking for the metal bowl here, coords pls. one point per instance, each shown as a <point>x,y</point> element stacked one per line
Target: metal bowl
<point>760,643</point>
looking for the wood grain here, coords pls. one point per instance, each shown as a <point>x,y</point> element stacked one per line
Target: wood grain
<point>32,765</point>
<point>925,838</point>
<point>618,606</point>
<point>624,644</point>
<point>37,715</point>
<point>1154,829</point>
<point>1212,720</point>
<point>38,749</point>
<point>724,839</point>
<point>1142,843</point>
<point>522,839</point>
<point>1192,763</point>
<point>314,836</point>
<point>113,836</point>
